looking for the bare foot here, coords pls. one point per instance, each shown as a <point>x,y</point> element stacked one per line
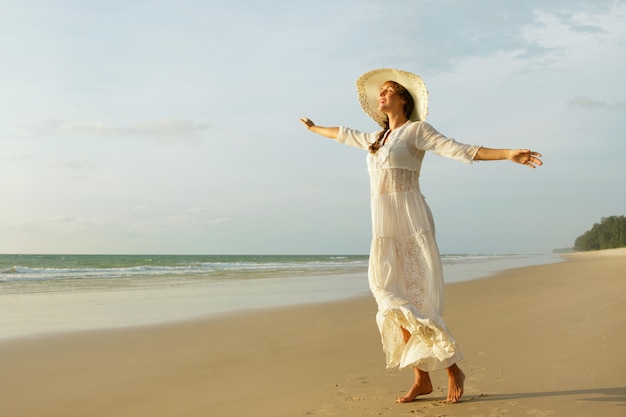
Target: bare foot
<point>414,392</point>
<point>421,386</point>
<point>456,378</point>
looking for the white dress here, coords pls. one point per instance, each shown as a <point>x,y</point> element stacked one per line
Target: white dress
<point>405,273</point>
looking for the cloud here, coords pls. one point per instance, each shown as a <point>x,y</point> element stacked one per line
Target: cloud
<point>573,30</point>
<point>73,164</point>
<point>586,29</point>
<point>63,219</point>
<point>589,103</point>
<point>24,156</point>
<point>216,222</point>
<point>164,131</point>
<point>81,221</point>
<point>197,210</point>
<point>191,220</point>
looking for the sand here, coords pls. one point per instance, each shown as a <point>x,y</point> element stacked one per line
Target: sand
<point>539,341</point>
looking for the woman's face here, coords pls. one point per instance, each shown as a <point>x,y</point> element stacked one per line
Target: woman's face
<point>389,101</point>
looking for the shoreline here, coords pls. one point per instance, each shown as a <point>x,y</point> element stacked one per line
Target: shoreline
<point>538,340</point>
<point>32,314</point>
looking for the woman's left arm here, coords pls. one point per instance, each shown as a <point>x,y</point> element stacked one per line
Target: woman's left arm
<point>520,156</point>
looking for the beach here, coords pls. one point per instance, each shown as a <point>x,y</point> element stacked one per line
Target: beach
<point>542,340</point>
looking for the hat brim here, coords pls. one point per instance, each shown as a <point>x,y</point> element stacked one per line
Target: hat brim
<point>368,86</point>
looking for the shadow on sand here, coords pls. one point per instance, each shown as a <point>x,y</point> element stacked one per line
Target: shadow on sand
<point>617,395</point>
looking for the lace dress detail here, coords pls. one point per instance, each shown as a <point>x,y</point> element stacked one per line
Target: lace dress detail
<point>393,180</point>
<point>413,267</point>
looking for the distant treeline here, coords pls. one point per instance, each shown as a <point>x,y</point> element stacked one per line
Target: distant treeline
<point>609,233</point>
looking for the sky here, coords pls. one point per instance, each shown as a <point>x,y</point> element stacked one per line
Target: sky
<point>172,127</point>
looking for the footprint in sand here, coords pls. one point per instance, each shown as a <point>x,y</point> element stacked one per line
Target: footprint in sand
<point>474,374</point>
<point>498,412</point>
<point>324,412</point>
<point>540,413</point>
<point>365,380</point>
<point>340,392</point>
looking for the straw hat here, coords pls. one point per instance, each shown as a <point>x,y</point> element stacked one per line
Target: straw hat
<point>368,86</point>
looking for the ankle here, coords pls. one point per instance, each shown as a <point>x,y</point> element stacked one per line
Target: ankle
<point>454,370</point>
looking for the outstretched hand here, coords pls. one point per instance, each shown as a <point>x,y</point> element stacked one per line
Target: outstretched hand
<point>329,132</point>
<point>307,122</point>
<point>526,157</point>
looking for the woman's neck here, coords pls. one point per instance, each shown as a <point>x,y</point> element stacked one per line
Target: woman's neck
<point>396,120</point>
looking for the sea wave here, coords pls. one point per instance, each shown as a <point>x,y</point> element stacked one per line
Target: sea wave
<point>173,268</point>
<point>46,273</point>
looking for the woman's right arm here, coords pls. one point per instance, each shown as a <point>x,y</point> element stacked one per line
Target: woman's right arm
<point>343,135</point>
<point>329,132</point>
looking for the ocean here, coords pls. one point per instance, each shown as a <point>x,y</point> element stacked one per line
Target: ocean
<point>42,294</point>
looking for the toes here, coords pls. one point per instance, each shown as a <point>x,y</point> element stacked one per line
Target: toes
<point>406,399</point>
<point>454,397</point>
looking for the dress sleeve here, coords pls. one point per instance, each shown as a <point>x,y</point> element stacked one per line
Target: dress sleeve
<point>429,139</point>
<point>355,138</point>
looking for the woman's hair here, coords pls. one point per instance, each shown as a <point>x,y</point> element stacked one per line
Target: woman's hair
<point>409,105</point>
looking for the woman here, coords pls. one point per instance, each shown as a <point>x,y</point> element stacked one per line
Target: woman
<point>405,272</point>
